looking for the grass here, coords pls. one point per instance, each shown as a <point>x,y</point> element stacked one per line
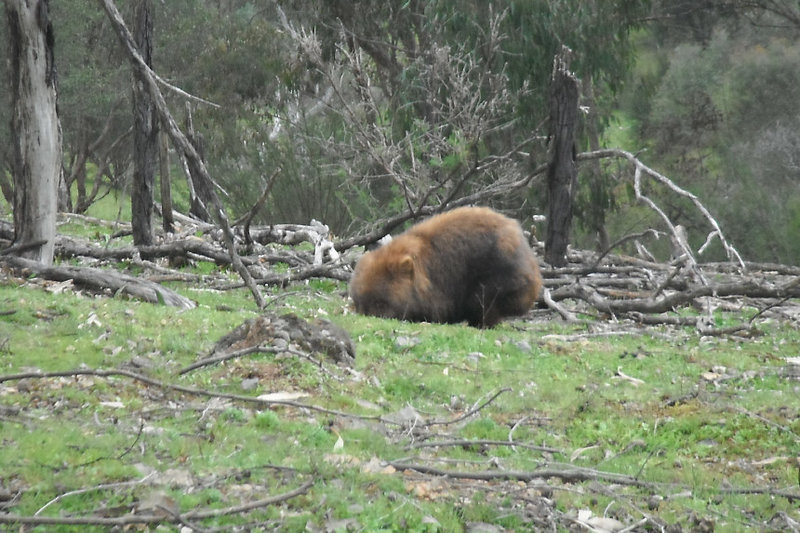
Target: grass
<point>707,414</point>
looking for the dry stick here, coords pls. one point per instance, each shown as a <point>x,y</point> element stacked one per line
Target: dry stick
<point>662,287</point>
<point>245,507</point>
<point>154,519</point>
<point>97,278</point>
<point>572,474</point>
<point>118,456</point>
<point>148,77</point>
<point>784,288</point>
<point>189,390</point>
<point>567,475</point>
<point>22,246</point>
<point>257,349</point>
<point>328,270</point>
<point>248,217</point>
<point>566,314</point>
<point>482,442</point>
<point>103,486</point>
<point>224,357</point>
<point>468,413</point>
<point>622,240</point>
<point>640,167</point>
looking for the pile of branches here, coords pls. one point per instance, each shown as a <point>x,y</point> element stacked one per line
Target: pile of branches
<point>619,287</point>
<point>591,287</point>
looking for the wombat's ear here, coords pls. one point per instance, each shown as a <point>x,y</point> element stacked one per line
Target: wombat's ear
<point>406,266</point>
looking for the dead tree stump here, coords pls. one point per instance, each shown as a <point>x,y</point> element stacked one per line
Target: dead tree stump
<point>562,178</point>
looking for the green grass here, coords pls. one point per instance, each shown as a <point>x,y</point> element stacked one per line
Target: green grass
<point>707,415</point>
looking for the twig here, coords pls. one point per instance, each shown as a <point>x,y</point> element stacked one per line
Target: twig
<point>481,442</point>
<point>189,390</point>
<point>582,336</point>
<point>225,356</point>
<point>766,308</point>
<point>248,217</point>
<point>118,456</point>
<point>622,240</point>
<point>668,280</point>
<point>104,486</point>
<point>513,429</point>
<point>250,506</point>
<point>470,412</point>
<point>132,519</point>
<point>567,475</point>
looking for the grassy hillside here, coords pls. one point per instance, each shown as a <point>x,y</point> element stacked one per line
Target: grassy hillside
<point>539,423</point>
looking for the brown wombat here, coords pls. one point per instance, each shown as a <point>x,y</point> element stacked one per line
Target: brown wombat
<point>470,264</point>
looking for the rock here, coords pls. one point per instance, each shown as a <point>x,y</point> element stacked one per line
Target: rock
<point>249,383</point>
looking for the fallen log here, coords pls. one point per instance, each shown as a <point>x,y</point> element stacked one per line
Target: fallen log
<point>98,279</point>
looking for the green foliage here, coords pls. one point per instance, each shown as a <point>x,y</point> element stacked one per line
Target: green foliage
<point>701,88</point>
<point>721,121</point>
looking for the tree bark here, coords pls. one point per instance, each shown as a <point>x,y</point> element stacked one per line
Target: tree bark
<point>200,194</point>
<point>599,200</point>
<point>164,180</point>
<point>562,172</point>
<point>36,129</point>
<point>145,132</point>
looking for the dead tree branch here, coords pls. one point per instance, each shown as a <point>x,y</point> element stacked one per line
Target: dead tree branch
<point>153,519</point>
<point>567,474</point>
<point>98,279</point>
<point>475,409</point>
<point>185,147</point>
<point>189,390</point>
<point>640,169</point>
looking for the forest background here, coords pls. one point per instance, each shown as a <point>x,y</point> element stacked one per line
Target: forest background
<point>373,108</point>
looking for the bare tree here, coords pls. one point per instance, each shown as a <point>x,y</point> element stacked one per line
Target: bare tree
<point>454,152</point>
<point>205,185</point>
<point>36,160</point>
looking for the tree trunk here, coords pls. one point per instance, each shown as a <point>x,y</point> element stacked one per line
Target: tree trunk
<point>164,180</point>
<point>599,200</point>
<point>5,183</point>
<point>36,129</point>
<point>200,196</point>
<point>145,133</point>
<point>562,173</point>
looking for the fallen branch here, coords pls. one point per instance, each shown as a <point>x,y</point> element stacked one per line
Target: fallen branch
<point>469,413</point>
<point>639,169</point>
<point>225,356</point>
<point>481,442</point>
<point>748,287</point>
<point>153,519</point>
<point>205,183</point>
<point>567,475</point>
<point>189,390</point>
<point>97,279</point>
<point>567,315</point>
<point>103,486</point>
